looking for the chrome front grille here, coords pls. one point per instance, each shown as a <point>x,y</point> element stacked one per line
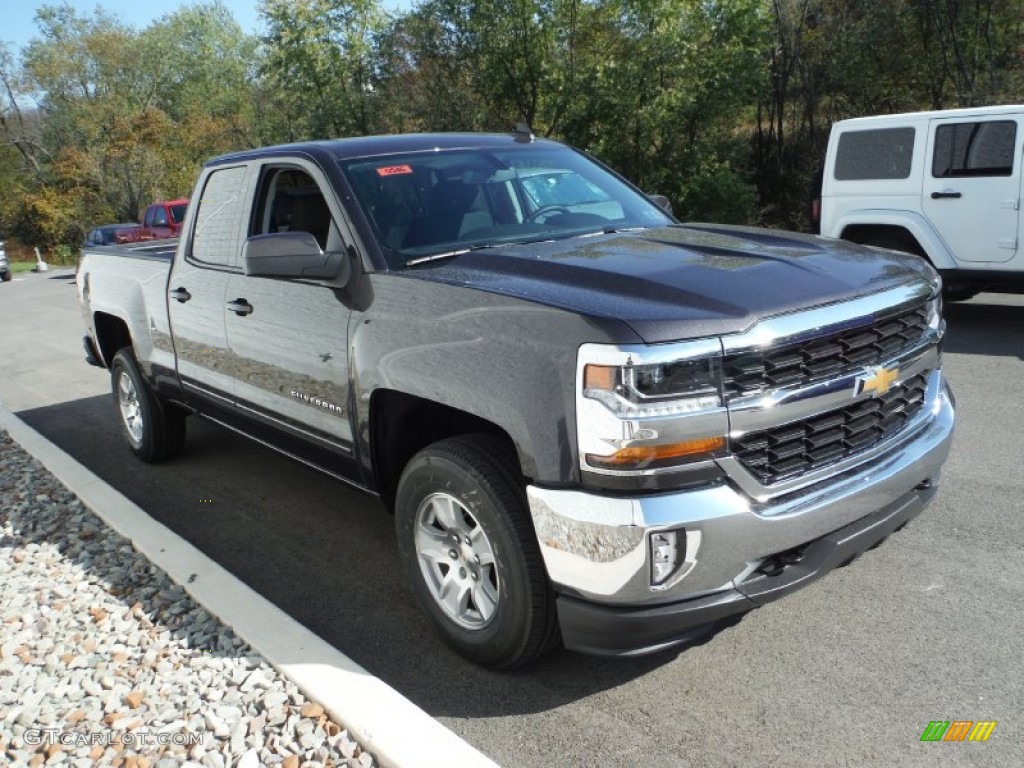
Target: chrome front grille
<point>792,449</point>
<point>797,365</point>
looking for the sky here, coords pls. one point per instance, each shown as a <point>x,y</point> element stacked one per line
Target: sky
<point>17,17</point>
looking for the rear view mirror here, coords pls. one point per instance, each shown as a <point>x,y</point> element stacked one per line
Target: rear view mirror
<point>293,254</point>
<point>662,202</point>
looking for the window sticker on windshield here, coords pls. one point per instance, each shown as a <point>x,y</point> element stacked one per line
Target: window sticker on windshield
<point>393,170</point>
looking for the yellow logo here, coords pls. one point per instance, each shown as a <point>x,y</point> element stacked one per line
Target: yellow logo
<point>878,382</point>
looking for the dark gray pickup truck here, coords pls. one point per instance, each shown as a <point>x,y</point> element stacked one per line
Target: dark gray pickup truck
<point>593,423</point>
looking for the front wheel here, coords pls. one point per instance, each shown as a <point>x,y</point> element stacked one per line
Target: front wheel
<point>155,430</point>
<point>466,539</point>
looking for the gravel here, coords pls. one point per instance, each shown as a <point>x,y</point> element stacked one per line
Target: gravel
<point>105,660</point>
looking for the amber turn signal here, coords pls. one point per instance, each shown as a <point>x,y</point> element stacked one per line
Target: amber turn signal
<point>641,456</point>
<point>600,377</point>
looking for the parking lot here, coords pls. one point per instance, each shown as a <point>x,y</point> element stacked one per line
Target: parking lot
<point>849,671</point>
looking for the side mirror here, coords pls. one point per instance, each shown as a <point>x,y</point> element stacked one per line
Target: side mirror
<point>293,254</point>
<point>662,202</point>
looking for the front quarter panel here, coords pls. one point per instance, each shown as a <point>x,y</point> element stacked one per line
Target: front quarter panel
<point>508,361</point>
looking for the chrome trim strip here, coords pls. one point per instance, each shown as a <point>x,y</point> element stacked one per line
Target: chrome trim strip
<point>643,354</point>
<point>809,324</point>
<point>187,384</point>
<point>347,450</point>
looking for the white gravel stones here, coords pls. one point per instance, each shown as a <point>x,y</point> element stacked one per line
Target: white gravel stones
<point>104,660</point>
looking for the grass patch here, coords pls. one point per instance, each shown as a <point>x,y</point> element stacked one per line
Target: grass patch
<point>17,267</point>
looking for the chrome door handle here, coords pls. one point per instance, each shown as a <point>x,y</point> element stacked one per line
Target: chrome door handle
<point>240,307</point>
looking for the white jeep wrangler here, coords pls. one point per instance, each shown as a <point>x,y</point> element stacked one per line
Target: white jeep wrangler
<point>943,185</point>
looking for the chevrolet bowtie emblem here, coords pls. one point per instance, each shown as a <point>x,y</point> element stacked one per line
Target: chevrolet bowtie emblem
<point>878,381</point>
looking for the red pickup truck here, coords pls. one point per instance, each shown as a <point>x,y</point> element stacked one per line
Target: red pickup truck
<point>161,220</point>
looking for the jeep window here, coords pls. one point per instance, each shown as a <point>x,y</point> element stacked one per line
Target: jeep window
<point>885,153</point>
<point>974,149</point>
<point>215,237</point>
<point>425,203</point>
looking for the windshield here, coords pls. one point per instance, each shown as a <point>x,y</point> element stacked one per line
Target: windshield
<point>438,202</point>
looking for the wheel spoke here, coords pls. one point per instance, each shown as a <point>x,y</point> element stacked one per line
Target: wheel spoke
<point>445,513</point>
<point>481,546</point>
<point>485,597</point>
<point>454,595</point>
<point>433,545</point>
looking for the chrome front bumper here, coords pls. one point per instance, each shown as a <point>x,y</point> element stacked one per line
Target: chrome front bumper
<point>596,548</point>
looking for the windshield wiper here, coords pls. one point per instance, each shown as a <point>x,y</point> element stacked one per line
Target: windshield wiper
<point>451,254</point>
<point>617,230</point>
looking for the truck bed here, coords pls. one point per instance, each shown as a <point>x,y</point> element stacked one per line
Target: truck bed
<point>129,282</point>
<point>149,249</point>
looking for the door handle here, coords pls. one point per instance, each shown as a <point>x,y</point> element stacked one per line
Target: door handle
<point>240,307</point>
<point>940,195</point>
<point>180,295</point>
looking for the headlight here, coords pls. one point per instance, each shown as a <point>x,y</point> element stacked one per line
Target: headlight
<point>661,389</point>
<point>645,410</point>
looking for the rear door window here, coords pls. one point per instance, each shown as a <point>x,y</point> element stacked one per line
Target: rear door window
<point>974,149</point>
<point>218,227</point>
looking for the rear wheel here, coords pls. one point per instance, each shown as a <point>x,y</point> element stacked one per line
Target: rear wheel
<point>154,429</point>
<point>896,241</point>
<point>466,539</point>
<point>6,276</point>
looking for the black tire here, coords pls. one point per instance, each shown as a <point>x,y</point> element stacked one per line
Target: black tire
<point>479,473</point>
<point>895,241</point>
<point>6,276</point>
<point>954,292</point>
<point>156,431</point>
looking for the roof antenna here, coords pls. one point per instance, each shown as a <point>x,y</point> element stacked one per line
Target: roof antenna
<point>523,134</point>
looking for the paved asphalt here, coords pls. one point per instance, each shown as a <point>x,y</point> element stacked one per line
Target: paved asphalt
<point>849,671</point>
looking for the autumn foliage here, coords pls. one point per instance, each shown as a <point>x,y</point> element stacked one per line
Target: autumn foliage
<point>723,105</point>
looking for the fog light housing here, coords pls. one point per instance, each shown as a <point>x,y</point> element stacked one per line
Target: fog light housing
<point>668,549</point>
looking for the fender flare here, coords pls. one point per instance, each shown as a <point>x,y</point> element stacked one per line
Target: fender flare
<point>914,223</point>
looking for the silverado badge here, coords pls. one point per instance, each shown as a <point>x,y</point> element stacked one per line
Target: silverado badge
<point>877,381</point>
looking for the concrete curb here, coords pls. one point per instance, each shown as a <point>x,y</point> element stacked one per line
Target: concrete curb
<point>396,731</point>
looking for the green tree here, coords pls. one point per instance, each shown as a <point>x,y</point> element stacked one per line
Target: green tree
<point>319,61</point>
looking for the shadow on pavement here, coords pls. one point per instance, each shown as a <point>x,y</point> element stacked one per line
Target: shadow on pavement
<point>322,552</point>
<point>985,329</point>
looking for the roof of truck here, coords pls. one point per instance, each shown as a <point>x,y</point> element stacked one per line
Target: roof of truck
<point>368,146</point>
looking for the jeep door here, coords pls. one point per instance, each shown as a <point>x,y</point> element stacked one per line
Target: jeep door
<point>972,185</point>
<point>289,336</point>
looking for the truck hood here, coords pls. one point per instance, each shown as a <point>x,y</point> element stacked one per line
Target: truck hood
<point>685,281</point>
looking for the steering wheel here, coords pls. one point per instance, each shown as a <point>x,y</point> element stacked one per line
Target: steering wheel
<point>546,209</point>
